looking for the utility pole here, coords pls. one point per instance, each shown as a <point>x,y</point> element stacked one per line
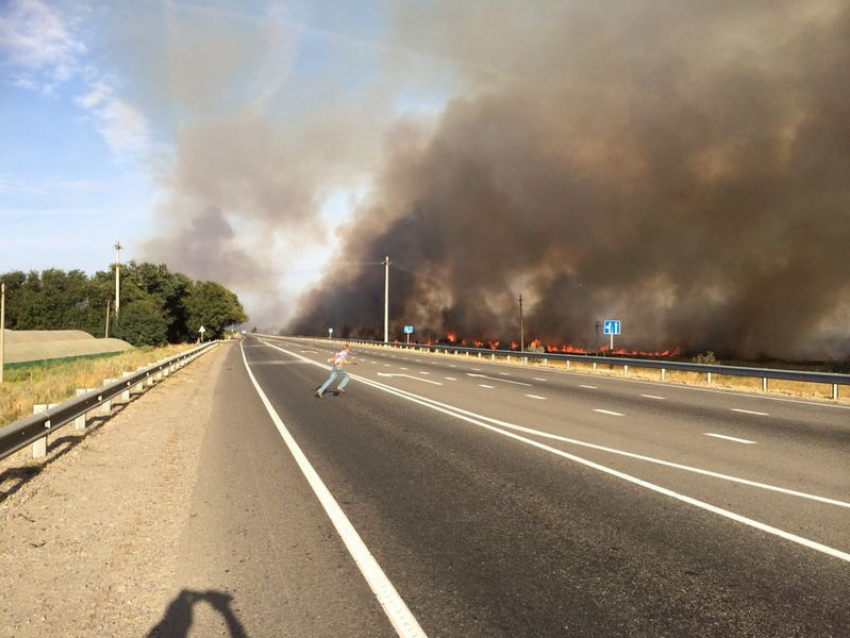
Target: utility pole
<point>521,331</point>
<point>117,278</point>
<point>108,305</point>
<point>2,329</point>
<point>386,299</point>
<point>597,324</point>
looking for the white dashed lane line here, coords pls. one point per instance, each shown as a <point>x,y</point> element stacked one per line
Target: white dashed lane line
<point>450,379</point>
<point>484,376</point>
<point>730,438</point>
<point>652,396</point>
<point>534,396</point>
<point>507,374</point>
<point>408,376</point>
<point>540,379</point>
<point>423,372</point>
<point>608,412</point>
<point>589,387</point>
<point>750,412</point>
<point>481,385</point>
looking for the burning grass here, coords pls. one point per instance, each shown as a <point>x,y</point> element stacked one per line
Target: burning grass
<point>53,383</point>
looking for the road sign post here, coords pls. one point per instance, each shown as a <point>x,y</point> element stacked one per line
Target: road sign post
<point>408,330</point>
<point>202,330</point>
<point>330,333</point>
<point>611,327</point>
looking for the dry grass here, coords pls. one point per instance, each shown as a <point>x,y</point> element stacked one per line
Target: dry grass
<point>54,383</point>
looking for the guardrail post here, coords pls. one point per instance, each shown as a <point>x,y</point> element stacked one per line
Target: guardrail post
<point>663,374</point>
<point>835,392</point>
<point>106,406</point>
<point>569,364</point>
<point>125,396</point>
<point>525,360</point>
<point>492,356</point>
<point>764,384</point>
<point>39,447</point>
<point>708,378</point>
<point>80,421</point>
<point>594,366</point>
<point>626,371</point>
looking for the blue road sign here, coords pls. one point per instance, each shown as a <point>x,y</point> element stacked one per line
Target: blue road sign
<point>408,330</point>
<point>610,327</point>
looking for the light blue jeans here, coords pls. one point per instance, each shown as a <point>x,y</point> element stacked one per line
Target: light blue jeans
<point>334,374</point>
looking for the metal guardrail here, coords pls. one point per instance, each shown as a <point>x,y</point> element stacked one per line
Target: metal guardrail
<point>23,432</point>
<point>829,378</point>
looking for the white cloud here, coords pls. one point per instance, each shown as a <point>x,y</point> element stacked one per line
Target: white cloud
<point>39,42</point>
<point>123,127</point>
<point>41,46</point>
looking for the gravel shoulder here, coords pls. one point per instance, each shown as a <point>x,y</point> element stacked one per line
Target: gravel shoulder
<point>90,537</point>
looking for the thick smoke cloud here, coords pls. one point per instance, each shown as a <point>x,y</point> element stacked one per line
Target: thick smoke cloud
<point>256,151</point>
<point>680,166</point>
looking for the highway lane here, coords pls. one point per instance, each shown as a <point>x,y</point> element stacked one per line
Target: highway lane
<point>483,534</point>
<point>801,444</point>
<point>812,460</point>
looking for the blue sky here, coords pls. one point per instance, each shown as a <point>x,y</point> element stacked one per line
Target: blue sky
<point>108,109</point>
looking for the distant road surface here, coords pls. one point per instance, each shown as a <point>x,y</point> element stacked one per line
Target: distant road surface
<point>448,496</point>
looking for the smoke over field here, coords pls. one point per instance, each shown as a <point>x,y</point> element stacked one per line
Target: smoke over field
<point>683,167</point>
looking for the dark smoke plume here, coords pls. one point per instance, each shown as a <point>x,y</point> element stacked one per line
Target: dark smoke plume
<point>681,166</point>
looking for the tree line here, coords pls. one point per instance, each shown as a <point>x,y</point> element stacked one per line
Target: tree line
<point>156,306</point>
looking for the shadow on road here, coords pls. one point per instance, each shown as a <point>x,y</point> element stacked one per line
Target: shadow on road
<point>13,479</point>
<point>178,617</point>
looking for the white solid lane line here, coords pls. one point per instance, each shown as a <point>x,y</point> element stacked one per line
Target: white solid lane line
<point>507,374</point>
<point>540,379</point>
<point>450,379</point>
<point>481,385</point>
<point>535,396</point>
<point>652,396</point>
<point>589,387</point>
<point>391,602</point>
<point>423,372</point>
<point>730,438</point>
<point>750,412</point>
<point>608,412</point>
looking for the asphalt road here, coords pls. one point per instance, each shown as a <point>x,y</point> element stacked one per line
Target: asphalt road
<point>480,499</point>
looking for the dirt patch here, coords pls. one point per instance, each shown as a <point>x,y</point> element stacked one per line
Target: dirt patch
<point>90,536</point>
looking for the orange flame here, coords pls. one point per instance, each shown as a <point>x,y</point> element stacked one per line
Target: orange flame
<point>452,336</point>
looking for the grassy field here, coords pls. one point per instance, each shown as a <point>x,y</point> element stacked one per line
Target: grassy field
<point>53,383</point>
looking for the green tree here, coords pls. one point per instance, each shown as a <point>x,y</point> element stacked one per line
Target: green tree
<point>154,302</point>
<point>142,323</point>
<point>14,294</point>
<point>214,307</point>
<point>170,290</point>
